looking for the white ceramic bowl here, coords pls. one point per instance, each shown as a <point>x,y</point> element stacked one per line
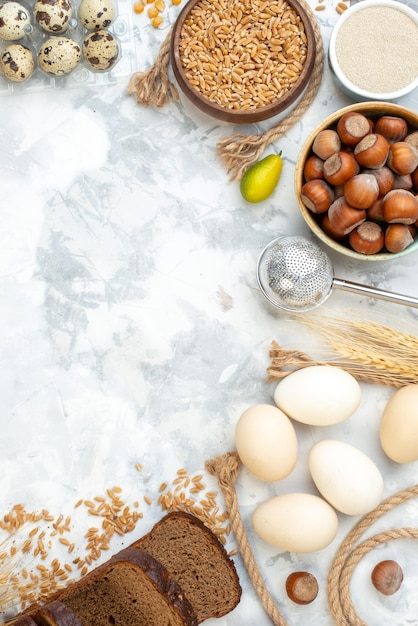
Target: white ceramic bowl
<point>394,44</point>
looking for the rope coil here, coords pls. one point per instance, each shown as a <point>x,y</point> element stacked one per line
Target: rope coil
<point>226,469</point>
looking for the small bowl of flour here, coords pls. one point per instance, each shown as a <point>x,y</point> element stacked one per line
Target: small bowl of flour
<point>373,50</point>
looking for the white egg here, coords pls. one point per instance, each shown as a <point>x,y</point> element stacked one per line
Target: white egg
<point>266,442</point>
<point>319,395</point>
<point>297,522</point>
<point>399,425</point>
<point>346,477</point>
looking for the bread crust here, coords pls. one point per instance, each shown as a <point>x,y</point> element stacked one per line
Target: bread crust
<point>154,570</point>
<point>166,583</point>
<point>235,591</point>
<point>23,620</point>
<point>56,614</point>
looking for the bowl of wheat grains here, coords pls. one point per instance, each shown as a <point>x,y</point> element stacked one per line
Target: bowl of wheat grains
<point>243,61</point>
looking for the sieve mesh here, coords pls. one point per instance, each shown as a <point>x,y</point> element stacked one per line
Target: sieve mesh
<point>295,274</point>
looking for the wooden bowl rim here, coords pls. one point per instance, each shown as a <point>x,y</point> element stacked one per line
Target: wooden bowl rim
<point>236,116</point>
<point>373,109</point>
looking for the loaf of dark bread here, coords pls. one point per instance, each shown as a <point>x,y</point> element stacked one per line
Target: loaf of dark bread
<point>197,560</point>
<point>131,589</point>
<point>56,614</point>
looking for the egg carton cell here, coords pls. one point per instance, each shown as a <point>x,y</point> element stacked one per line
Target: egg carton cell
<point>39,52</point>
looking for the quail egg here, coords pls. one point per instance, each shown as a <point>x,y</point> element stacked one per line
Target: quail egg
<point>17,63</point>
<point>59,55</point>
<point>96,14</point>
<point>53,16</point>
<point>100,50</point>
<point>15,21</point>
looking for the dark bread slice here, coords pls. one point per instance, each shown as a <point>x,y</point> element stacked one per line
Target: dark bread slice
<point>56,614</point>
<point>131,589</point>
<point>197,560</point>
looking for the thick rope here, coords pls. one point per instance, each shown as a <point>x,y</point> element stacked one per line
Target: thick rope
<point>238,151</point>
<point>153,87</point>
<point>338,589</point>
<point>226,468</point>
<point>355,557</point>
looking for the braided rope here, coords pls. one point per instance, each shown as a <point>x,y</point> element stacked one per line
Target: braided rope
<point>355,557</point>
<point>226,468</point>
<point>339,602</point>
<point>153,87</point>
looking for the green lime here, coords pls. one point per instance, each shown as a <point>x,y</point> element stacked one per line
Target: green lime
<point>261,178</point>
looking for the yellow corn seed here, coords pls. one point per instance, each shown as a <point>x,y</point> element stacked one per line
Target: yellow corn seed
<point>152,12</point>
<point>160,5</point>
<point>138,7</point>
<point>175,2</point>
<point>157,21</point>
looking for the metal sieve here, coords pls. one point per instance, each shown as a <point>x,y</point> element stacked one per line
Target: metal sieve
<point>295,274</point>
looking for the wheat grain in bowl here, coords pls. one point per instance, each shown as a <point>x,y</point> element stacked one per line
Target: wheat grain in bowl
<point>243,60</point>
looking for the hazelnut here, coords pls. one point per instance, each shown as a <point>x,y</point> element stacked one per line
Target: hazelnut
<point>387,577</point>
<point>398,237</point>
<point>352,127</point>
<point>372,151</point>
<point>375,212</point>
<point>301,587</point>
<point>326,143</point>
<point>402,158</point>
<point>392,127</point>
<point>412,138</point>
<point>384,177</point>
<point>314,168</point>
<point>343,218</point>
<point>317,195</point>
<point>367,238</point>
<point>361,191</point>
<point>339,167</point>
<point>328,228</point>
<point>400,206</point>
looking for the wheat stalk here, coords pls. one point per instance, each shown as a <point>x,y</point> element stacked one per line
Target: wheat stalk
<point>369,350</point>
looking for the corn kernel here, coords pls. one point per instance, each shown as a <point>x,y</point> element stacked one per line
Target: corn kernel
<point>160,5</point>
<point>152,12</point>
<point>175,1</point>
<point>150,1</point>
<point>138,7</point>
<point>157,21</point>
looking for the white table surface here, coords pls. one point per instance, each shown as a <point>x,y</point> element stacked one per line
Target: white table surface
<point>133,330</point>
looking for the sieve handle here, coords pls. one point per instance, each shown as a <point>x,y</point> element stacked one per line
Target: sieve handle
<point>380,294</point>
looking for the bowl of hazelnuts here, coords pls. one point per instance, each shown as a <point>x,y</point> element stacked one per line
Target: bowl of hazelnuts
<point>356,181</point>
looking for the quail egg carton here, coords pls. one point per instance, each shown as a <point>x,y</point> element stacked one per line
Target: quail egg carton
<point>121,28</point>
